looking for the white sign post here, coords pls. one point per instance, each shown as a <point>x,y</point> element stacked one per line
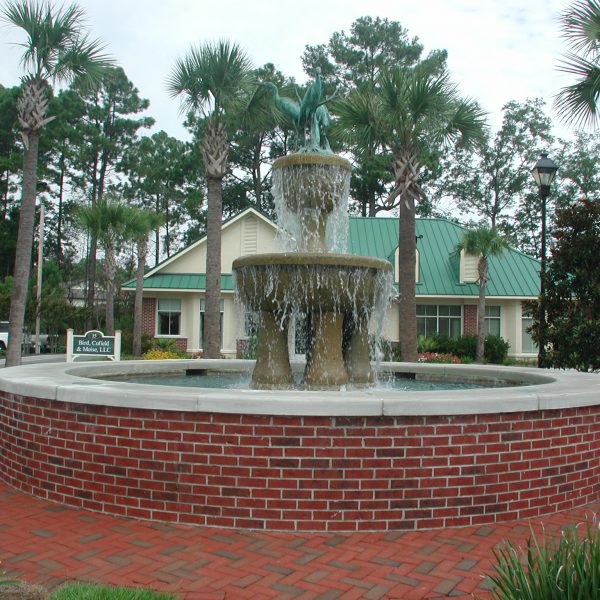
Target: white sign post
<point>93,343</point>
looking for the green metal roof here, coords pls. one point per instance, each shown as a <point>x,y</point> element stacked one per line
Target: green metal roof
<point>511,274</point>
<point>180,281</point>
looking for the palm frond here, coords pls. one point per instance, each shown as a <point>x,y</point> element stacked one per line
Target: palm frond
<point>358,119</point>
<point>85,61</point>
<point>484,241</point>
<point>467,125</point>
<point>210,77</point>
<point>579,102</point>
<point>228,69</point>
<point>581,26</point>
<point>260,113</point>
<point>56,46</point>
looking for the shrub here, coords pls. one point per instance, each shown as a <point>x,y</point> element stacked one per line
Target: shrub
<point>463,347</point>
<point>565,570</point>
<point>427,343</point>
<point>164,348</point>
<point>158,354</point>
<point>496,349</point>
<point>385,350</point>
<point>127,342</point>
<point>438,357</point>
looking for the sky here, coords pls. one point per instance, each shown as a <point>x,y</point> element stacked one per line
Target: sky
<point>498,50</point>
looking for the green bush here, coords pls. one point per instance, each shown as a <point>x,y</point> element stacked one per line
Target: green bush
<point>127,342</point>
<point>565,570</point>
<point>166,345</point>
<point>389,351</point>
<point>496,349</point>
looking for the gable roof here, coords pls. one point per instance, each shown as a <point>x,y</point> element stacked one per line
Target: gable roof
<point>512,274</point>
<point>227,223</point>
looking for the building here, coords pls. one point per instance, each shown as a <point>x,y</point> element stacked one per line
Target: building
<point>446,283</point>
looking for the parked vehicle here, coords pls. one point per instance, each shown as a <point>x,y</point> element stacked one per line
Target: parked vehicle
<point>48,343</point>
<point>3,335</point>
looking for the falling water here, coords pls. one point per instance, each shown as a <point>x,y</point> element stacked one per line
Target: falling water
<point>307,196</point>
<point>341,297</point>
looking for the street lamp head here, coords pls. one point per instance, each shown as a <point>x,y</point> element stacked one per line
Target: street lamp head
<point>544,172</point>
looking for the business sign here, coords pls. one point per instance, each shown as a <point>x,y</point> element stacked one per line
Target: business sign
<point>93,343</point>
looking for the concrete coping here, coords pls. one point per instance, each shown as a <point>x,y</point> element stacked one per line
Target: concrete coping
<point>76,383</point>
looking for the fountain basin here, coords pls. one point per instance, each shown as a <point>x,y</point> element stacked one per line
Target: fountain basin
<point>280,282</point>
<point>338,292</point>
<point>361,460</point>
<point>312,180</point>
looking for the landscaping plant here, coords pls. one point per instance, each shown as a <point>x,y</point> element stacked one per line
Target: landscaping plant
<point>567,569</point>
<point>91,591</point>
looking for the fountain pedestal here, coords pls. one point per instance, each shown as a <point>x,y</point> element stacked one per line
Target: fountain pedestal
<point>325,363</point>
<point>272,369</point>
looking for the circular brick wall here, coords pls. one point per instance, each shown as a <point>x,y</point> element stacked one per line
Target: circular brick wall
<point>298,472</point>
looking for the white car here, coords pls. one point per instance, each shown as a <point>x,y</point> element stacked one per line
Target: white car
<point>3,335</point>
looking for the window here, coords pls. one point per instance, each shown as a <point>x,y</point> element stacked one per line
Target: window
<point>469,263</point>
<point>492,320</point>
<point>169,316</point>
<point>202,310</point>
<point>528,346</point>
<point>445,319</point>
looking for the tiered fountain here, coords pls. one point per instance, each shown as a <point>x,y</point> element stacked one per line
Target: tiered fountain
<point>336,293</point>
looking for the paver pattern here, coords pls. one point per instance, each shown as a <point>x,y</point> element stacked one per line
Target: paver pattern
<point>49,544</point>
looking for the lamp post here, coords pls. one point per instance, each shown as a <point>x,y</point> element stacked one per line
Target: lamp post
<point>543,172</point>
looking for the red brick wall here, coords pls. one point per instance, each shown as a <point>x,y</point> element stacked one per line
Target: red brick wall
<point>181,343</point>
<point>470,319</point>
<point>149,316</point>
<point>303,473</point>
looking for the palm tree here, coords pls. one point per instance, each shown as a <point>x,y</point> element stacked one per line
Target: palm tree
<point>140,225</point>
<point>579,103</point>
<point>108,220</point>
<point>415,113</point>
<point>211,80</point>
<point>56,49</point>
<point>484,242</point>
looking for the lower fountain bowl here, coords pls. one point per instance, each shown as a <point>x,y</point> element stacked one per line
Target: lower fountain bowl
<point>305,281</point>
<point>337,293</point>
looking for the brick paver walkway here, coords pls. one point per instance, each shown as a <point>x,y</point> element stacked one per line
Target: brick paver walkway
<point>48,544</point>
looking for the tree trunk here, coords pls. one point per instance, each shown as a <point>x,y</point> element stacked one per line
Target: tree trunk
<point>139,295</point>
<point>18,297</point>
<point>157,234</point>
<point>407,309</point>
<point>480,349</point>
<point>90,297</point>
<point>110,269</point>
<point>59,218</point>
<point>256,173</point>
<point>212,311</point>
<point>214,150</point>
<point>406,174</point>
